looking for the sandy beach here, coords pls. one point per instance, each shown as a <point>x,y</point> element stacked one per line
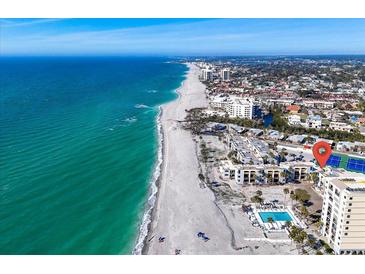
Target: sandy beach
<point>185,206</point>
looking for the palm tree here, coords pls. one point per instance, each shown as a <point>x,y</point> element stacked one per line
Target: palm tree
<point>314,177</point>
<point>284,175</point>
<point>256,199</point>
<point>270,220</point>
<point>288,224</point>
<point>304,211</point>
<point>286,192</point>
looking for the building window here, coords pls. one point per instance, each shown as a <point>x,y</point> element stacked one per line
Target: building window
<point>350,198</point>
<point>350,204</point>
<point>347,228</point>
<point>346,234</point>
<point>347,222</point>
<point>349,210</point>
<point>348,216</point>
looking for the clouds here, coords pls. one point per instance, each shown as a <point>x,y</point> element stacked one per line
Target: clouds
<point>13,23</point>
<point>208,37</point>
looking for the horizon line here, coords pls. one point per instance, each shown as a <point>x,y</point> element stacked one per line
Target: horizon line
<point>184,56</point>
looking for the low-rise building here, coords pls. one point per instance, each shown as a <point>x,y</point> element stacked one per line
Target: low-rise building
<point>294,120</point>
<point>279,102</point>
<point>251,174</point>
<point>227,170</point>
<point>297,170</point>
<point>318,104</point>
<point>345,146</point>
<point>220,101</point>
<point>313,121</point>
<point>248,174</point>
<point>273,174</point>
<point>297,139</point>
<point>293,109</point>
<point>341,126</point>
<point>275,135</point>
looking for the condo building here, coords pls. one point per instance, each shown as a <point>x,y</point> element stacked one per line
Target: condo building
<point>297,170</point>
<point>343,212</point>
<point>207,74</point>
<point>225,74</point>
<point>237,106</point>
<point>273,174</point>
<point>241,108</point>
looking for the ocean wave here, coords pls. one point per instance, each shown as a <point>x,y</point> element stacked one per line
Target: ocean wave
<point>130,120</point>
<point>152,91</point>
<point>141,106</point>
<point>147,216</point>
<point>123,123</point>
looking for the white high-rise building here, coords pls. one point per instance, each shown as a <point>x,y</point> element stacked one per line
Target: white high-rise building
<point>225,74</point>
<point>343,212</point>
<point>241,108</point>
<point>207,74</point>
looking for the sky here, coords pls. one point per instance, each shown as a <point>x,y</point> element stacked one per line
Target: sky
<point>181,37</point>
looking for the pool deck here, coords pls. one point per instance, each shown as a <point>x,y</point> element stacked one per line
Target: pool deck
<point>276,226</point>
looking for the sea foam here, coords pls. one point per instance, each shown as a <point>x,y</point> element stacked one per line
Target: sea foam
<point>147,217</point>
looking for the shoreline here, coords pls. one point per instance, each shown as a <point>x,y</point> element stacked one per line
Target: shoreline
<point>183,206</point>
<point>141,246</point>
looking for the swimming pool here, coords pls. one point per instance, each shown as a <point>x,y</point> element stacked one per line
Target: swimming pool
<point>276,216</point>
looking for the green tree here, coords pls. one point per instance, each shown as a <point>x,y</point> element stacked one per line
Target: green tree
<point>300,195</point>
<point>256,199</point>
<point>304,211</point>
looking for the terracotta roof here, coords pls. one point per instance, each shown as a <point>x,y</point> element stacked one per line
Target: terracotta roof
<point>293,108</point>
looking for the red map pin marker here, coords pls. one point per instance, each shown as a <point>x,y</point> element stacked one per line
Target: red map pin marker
<point>322,152</point>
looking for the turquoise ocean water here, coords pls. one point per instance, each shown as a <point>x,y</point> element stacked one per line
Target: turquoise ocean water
<point>78,145</point>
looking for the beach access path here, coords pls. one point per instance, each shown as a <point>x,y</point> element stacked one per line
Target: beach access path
<point>183,208</point>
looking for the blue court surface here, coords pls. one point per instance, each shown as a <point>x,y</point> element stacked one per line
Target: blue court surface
<point>334,161</point>
<point>357,165</point>
<point>347,162</point>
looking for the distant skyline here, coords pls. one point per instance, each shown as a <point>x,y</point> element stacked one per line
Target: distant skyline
<point>181,37</point>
